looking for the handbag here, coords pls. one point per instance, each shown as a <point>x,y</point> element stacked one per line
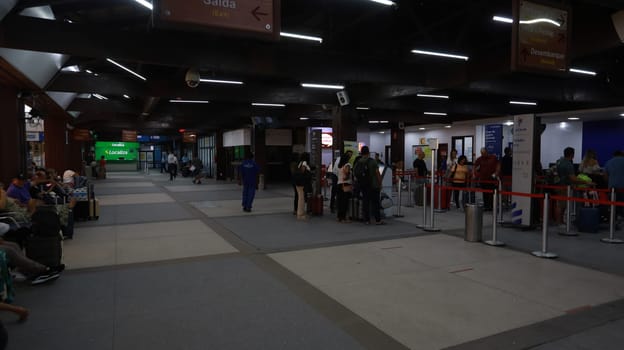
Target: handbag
<point>192,168</point>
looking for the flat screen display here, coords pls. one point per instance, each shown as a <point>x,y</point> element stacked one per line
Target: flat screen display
<point>116,150</point>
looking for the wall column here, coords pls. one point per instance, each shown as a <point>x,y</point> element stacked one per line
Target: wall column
<point>344,126</point>
<point>397,146</point>
<point>12,135</point>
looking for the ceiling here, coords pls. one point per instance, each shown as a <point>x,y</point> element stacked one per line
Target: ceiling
<point>366,47</point>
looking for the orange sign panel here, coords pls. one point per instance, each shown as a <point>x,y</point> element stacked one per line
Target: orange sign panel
<point>128,135</point>
<point>542,37</point>
<point>81,134</point>
<point>258,16</point>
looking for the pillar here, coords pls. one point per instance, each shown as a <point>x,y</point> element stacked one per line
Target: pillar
<point>344,126</point>
<point>12,135</point>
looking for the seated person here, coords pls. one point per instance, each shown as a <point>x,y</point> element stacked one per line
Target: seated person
<point>33,270</point>
<point>20,191</point>
<point>46,189</point>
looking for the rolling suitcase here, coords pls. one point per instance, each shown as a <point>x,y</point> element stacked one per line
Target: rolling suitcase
<point>94,209</point>
<point>81,210</point>
<point>588,219</point>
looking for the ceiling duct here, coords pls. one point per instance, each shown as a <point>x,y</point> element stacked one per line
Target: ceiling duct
<point>5,7</point>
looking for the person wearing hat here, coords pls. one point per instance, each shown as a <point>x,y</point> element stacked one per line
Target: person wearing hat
<point>20,191</point>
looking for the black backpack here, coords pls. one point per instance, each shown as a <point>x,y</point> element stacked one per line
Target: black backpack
<point>361,172</point>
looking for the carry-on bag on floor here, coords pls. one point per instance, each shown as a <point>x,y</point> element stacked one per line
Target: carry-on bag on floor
<point>81,211</point>
<point>588,219</point>
<point>44,250</point>
<point>94,209</point>
<point>68,230</point>
<point>316,204</point>
<point>355,209</point>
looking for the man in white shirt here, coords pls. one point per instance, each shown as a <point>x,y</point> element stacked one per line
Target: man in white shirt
<point>172,165</point>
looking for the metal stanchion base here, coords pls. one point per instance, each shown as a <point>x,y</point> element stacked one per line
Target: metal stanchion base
<point>547,255</point>
<point>494,243</point>
<point>431,229</point>
<point>612,240</point>
<point>420,226</point>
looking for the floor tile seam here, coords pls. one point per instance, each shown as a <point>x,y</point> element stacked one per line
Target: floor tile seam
<point>328,307</point>
<point>136,223</point>
<point>154,263</point>
<point>338,243</point>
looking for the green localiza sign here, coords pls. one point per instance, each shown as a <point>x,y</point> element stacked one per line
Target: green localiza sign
<point>116,150</point>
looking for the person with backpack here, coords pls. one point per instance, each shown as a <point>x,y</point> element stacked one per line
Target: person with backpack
<point>303,183</point>
<point>366,172</point>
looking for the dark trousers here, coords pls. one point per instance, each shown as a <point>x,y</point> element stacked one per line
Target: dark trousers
<point>173,171</point>
<point>488,198</point>
<point>334,191</point>
<point>370,203</point>
<point>343,203</point>
<point>296,198</point>
<point>249,192</point>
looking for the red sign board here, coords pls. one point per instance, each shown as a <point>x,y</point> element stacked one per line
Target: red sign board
<point>260,17</point>
<point>128,135</point>
<point>541,37</point>
<point>81,135</point>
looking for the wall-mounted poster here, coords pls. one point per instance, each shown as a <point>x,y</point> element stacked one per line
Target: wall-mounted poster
<point>424,148</point>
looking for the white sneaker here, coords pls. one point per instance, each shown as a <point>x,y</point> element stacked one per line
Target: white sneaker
<point>18,276</point>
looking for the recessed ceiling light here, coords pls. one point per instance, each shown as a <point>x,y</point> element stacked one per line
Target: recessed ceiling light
<point>302,37</point>
<point>126,96</point>
<point>322,86</point>
<point>88,71</point>
<point>189,101</point>
<point>582,71</point>
<point>382,132</point>
<point>574,118</point>
<point>434,113</point>
<point>441,54</point>
<point>303,118</point>
<point>421,128</point>
<point>432,96</point>
<point>363,108</point>
<point>127,69</point>
<point>100,97</point>
<point>447,126</point>
<point>258,104</point>
<point>621,114</point>
<point>145,3</point>
<point>523,103</point>
<point>215,81</point>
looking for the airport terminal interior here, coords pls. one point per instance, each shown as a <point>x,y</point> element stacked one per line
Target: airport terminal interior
<point>104,93</point>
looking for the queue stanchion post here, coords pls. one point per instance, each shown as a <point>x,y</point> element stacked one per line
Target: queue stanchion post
<point>544,253</point>
<point>439,208</point>
<point>494,241</point>
<point>568,214</point>
<point>431,227</point>
<point>424,216</point>
<point>611,238</point>
<point>399,190</point>
<point>410,200</point>
<point>500,203</point>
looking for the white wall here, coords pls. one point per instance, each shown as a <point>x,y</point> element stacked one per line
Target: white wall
<point>378,143</point>
<point>239,137</point>
<point>443,136</point>
<point>558,136</point>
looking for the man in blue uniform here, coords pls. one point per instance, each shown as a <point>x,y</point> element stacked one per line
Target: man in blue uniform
<point>248,173</point>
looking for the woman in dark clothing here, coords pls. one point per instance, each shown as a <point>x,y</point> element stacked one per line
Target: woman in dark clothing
<point>345,186</point>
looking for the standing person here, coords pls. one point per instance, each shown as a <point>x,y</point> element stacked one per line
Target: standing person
<point>303,179</point>
<point>248,171</point>
<point>459,176</point>
<point>506,162</point>
<point>102,170</point>
<point>335,177</point>
<point>345,186</point>
<point>565,170</point>
<point>369,179</point>
<point>172,166</point>
<point>197,165</point>
<point>485,169</point>
<point>293,166</point>
<point>420,166</point>
<point>163,163</point>
<point>614,173</point>
<point>451,162</point>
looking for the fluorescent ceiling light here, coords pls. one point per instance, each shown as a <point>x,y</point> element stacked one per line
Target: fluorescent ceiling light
<point>363,108</point>
<point>73,68</point>
<point>322,86</point>
<point>88,71</point>
<point>234,82</point>
<point>621,114</point>
<point>145,3</point>
<point>523,103</point>
<point>268,104</point>
<point>441,54</point>
<point>447,126</point>
<point>434,113</point>
<point>432,96</point>
<point>384,2</point>
<point>383,122</point>
<point>502,19</point>
<point>421,128</point>
<point>303,118</point>
<point>582,71</point>
<point>509,123</point>
<point>382,132</point>
<point>100,97</point>
<point>574,118</point>
<point>188,101</point>
<point>127,69</point>
<point>126,96</point>
<point>302,37</point>
<point>373,122</point>
<point>27,108</point>
<point>531,21</point>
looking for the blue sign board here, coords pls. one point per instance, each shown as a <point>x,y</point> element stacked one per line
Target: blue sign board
<point>494,139</point>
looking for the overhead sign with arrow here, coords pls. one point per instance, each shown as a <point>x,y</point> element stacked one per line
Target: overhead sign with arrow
<point>256,17</point>
<point>541,36</point>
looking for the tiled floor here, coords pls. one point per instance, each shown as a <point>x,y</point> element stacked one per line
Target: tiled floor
<point>172,265</point>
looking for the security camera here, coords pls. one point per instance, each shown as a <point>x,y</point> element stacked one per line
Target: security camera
<point>192,77</point>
